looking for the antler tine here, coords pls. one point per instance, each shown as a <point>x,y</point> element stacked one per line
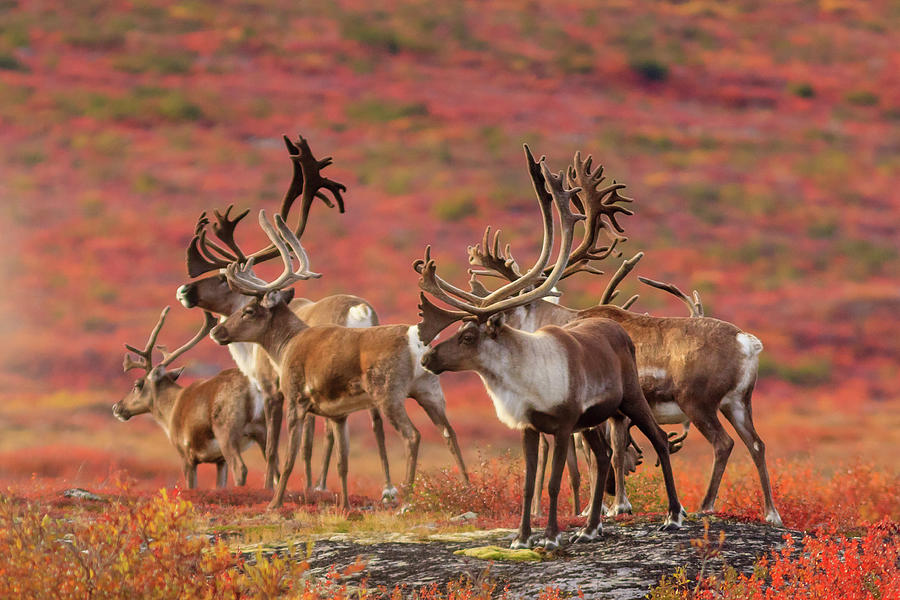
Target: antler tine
<point>241,275</point>
<point>487,254</point>
<point>595,204</point>
<point>145,355</point>
<point>312,183</point>
<point>294,242</point>
<point>540,176</point>
<point>208,323</point>
<point>693,304</point>
<point>198,261</point>
<point>419,266</point>
<point>224,230</point>
<point>498,302</point>
<point>626,267</point>
<point>296,187</point>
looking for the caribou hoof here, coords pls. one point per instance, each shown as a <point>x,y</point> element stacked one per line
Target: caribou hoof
<point>773,518</point>
<point>619,509</point>
<point>320,488</point>
<point>389,494</point>
<point>549,543</point>
<point>585,535</point>
<point>518,544</point>
<point>671,523</point>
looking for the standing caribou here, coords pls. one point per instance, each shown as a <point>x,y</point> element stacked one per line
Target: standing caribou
<point>555,380</point>
<point>209,421</point>
<point>332,371</point>
<point>690,367</point>
<point>212,293</point>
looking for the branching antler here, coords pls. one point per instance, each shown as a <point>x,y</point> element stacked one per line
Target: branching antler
<point>307,183</point>
<point>487,254</point>
<point>610,293</point>
<point>597,202</point>
<point>145,356</point>
<point>209,321</point>
<point>509,296</point>
<point>241,277</point>
<point>694,305</point>
<point>313,183</point>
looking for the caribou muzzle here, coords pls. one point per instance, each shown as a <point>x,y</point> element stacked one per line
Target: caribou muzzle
<point>432,363</point>
<point>187,295</point>
<point>220,335</point>
<point>120,412</point>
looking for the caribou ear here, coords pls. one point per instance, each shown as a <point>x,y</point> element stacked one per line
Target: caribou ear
<point>433,319</point>
<point>494,324</point>
<point>156,374</point>
<point>272,299</point>
<point>174,375</point>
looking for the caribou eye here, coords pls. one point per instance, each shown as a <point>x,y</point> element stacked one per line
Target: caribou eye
<point>249,311</point>
<point>139,384</point>
<point>468,339</point>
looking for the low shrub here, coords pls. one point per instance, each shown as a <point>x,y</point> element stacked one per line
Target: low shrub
<point>828,566</point>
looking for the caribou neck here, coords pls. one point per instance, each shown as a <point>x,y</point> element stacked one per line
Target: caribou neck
<point>282,329</point>
<point>164,399</point>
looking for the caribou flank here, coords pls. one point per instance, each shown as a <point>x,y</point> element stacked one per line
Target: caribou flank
<point>332,371</point>
<point>690,367</point>
<point>556,380</point>
<point>210,421</point>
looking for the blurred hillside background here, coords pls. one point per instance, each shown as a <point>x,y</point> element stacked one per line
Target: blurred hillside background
<point>760,141</point>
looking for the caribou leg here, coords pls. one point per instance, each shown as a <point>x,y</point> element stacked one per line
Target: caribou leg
<point>530,439</point>
<point>740,415</point>
<point>601,451</point>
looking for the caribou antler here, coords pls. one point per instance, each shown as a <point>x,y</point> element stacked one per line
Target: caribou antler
<point>204,255</point>
<point>145,360</point>
<point>611,292</point>
<point>508,296</point>
<point>487,254</point>
<point>209,321</point>
<point>595,203</point>
<point>694,305</point>
<point>241,277</point>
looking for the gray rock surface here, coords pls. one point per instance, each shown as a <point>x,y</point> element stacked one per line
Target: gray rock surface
<point>623,564</point>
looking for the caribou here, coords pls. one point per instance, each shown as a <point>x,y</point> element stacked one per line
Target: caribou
<point>690,368</point>
<point>210,421</point>
<point>212,293</point>
<point>555,380</point>
<point>332,371</point>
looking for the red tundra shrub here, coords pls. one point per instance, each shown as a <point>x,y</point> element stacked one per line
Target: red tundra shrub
<point>828,566</point>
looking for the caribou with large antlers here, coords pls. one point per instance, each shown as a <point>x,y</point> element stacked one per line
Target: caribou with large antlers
<point>210,421</point>
<point>555,380</point>
<point>212,293</point>
<point>332,371</point>
<point>690,368</point>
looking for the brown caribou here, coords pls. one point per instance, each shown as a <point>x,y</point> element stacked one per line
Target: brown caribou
<point>690,368</point>
<point>212,293</point>
<point>555,380</point>
<point>332,371</point>
<point>209,421</point>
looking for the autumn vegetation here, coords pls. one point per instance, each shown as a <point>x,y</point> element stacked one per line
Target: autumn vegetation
<point>759,141</point>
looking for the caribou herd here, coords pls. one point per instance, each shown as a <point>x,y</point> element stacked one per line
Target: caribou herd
<point>582,376</point>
